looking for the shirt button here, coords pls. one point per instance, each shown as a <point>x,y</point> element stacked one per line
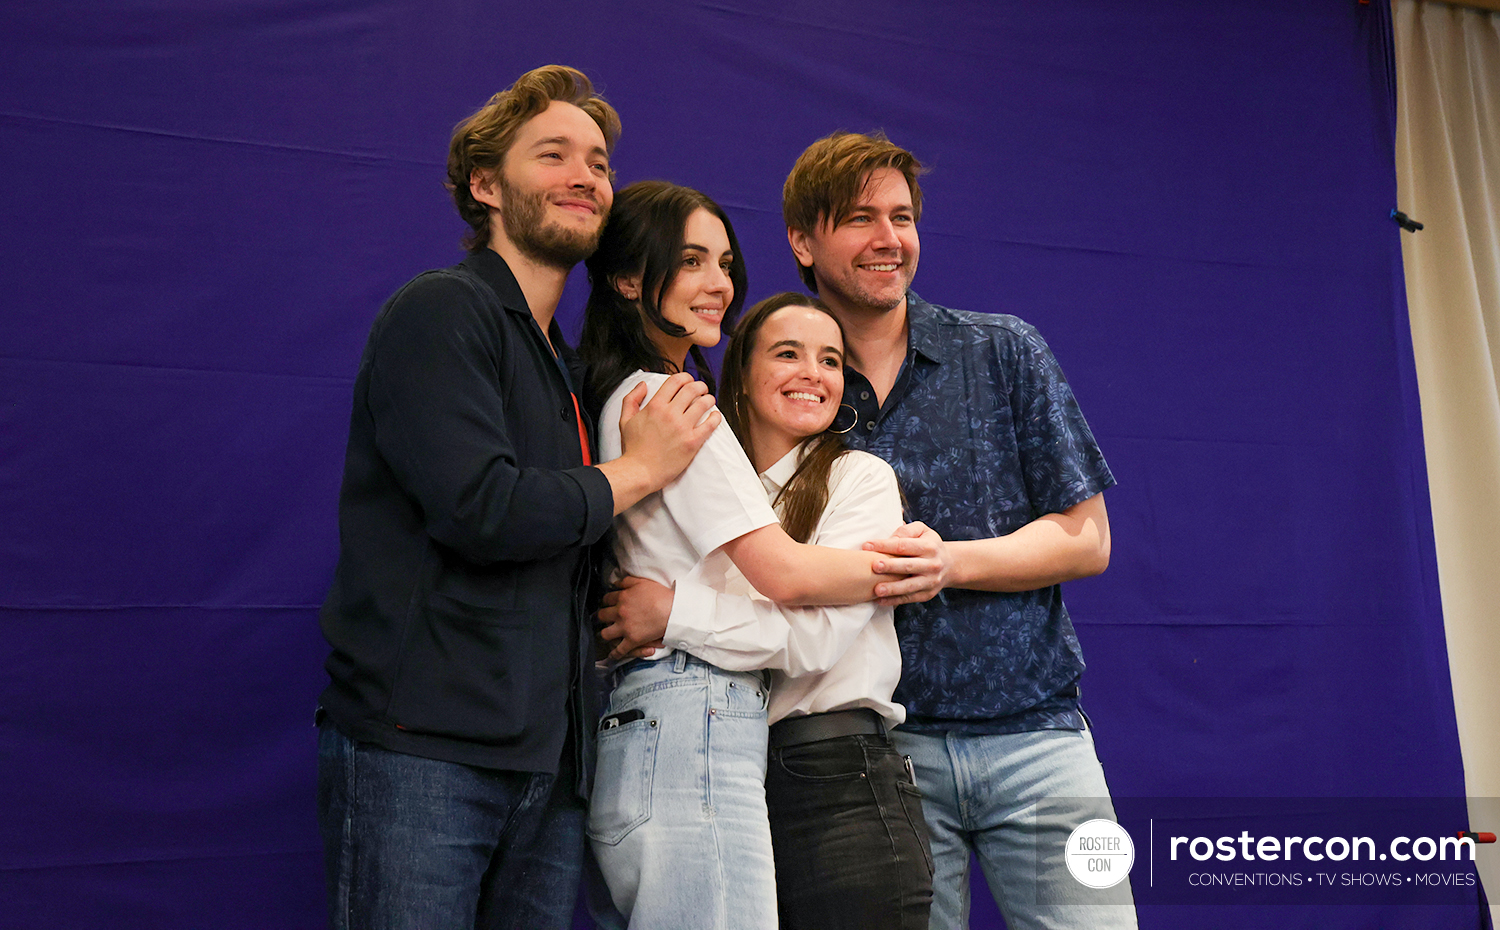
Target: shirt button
<point>864,395</point>
<point>567,412</point>
<point>870,426</point>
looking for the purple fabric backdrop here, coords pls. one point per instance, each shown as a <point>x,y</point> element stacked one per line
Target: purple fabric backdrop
<point>208,201</point>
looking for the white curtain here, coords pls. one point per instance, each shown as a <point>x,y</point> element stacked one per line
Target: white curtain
<point>1448,177</point>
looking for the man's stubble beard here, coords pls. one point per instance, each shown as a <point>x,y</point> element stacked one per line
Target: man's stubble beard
<point>521,215</point>
<point>860,300</point>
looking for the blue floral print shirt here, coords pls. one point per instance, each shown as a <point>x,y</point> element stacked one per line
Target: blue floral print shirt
<point>985,436</point>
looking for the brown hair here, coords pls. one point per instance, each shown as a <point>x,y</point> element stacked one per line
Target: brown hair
<point>480,142</point>
<point>802,500</point>
<point>828,179</point>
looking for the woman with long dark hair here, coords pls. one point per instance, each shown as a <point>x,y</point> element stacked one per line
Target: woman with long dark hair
<point>849,838</point>
<point>678,818</point>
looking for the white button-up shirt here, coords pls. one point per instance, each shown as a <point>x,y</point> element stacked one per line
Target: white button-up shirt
<point>822,658</point>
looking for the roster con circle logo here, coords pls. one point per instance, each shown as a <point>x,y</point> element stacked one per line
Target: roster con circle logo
<point>1100,853</point>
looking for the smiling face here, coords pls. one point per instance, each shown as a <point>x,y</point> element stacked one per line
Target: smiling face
<point>553,191</point>
<point>867,261</point>
<point>794,381</point>
<point>701,289</point>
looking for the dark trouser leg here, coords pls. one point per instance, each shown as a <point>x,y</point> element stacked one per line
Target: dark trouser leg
<point>412,843</point>
<point>850,842</point>
<point>532,883</point>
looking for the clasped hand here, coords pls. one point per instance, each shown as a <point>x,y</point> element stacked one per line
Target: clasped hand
<point>919,553</point>
<point>634,617</point>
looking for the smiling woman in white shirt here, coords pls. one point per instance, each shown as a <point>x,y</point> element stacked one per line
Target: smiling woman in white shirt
<point>678,817</point>
<point>850,841</point>
<point>850,844</point>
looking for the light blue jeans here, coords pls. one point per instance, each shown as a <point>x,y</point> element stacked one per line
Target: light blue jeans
<point>1013,800</point>
<point>678,819</point>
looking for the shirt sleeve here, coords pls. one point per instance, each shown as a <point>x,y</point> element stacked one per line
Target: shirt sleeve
<point>750,632</point>
<point>718,497</point>
<point>437,400</point>
<point>1061,463</point>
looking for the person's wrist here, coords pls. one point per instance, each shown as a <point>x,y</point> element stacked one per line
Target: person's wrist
<point>642,475</point>
<point>655,476</point>
<point>958,574</point>
<point>629,479</point>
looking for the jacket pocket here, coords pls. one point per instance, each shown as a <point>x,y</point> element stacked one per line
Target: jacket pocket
<point>485,586</point>
<point>622,784</point>
<point>465,672</point>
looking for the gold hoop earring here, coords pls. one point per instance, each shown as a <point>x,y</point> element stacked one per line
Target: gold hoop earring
<point>853,423</point>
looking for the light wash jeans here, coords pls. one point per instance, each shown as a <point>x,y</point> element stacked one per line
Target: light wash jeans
<point>1012,800</point>
<point>678,818</point>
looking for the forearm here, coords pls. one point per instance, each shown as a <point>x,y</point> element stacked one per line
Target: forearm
<point>519,515</point>
<point>629,479</point>
<point>1052,549</point>
<point>789,572</point>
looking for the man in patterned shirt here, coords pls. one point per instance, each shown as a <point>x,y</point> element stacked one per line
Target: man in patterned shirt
<point>998,464</point>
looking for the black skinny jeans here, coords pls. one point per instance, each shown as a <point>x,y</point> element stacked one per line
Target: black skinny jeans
<point>850,840</point>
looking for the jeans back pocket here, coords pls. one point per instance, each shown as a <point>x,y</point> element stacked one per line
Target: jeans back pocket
<point>622,783</point>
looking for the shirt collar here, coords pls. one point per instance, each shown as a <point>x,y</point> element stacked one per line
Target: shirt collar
<point>776,477</point>
<point>923,330</point>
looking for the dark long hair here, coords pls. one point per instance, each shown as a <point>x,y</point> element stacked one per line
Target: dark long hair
<point>644,236</point>
<point>802,500</point>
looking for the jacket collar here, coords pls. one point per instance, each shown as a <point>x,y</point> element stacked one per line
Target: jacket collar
<point>492,269</point>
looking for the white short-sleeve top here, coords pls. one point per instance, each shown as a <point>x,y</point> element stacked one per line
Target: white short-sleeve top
<point>716,499</point>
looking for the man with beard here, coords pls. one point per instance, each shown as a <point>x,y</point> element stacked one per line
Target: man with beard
<point>993,453</point>
<point>455,733</point>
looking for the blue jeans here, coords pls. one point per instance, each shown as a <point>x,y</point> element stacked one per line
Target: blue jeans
<point>412,843</point>
<point>1012,800</point>
<point>678,818</point>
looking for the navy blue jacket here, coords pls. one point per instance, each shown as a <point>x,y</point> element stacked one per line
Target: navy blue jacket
<point>456,614</point>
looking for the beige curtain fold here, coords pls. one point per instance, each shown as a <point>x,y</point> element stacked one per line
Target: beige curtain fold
<point>1448,177</point>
